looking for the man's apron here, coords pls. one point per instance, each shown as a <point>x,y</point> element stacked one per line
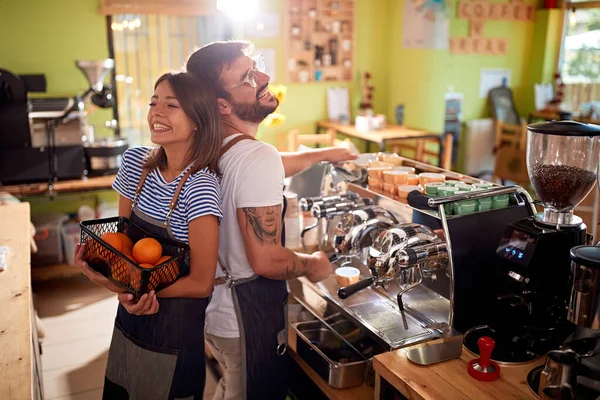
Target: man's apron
<point>159,356</point>
<point>261,309</point>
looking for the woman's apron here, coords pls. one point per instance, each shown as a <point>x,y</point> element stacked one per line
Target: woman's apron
<point>261,309</point>
<point>159,356</point>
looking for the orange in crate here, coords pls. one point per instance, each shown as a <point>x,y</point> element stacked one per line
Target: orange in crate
<point>162,260</point>
<point>91,252</point>
<point>127,242</point>
<point>127,251</point>
<point>113,239</point>
<point>135,277</point>
<point>120,271</point>
<point>147,250</point>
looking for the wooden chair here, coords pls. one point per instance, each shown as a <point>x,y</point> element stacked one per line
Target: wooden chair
<point>511,153</point>
<point>325,139</point>
<point>424,154</point>
<point>510,134</point>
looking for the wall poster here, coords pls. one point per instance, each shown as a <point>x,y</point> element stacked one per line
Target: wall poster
<point>426,24</point>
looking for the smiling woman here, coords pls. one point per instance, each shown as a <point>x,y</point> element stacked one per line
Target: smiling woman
<point>172,192</point>
<point>184,122</point>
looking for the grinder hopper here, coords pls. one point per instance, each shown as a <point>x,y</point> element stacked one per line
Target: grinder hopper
<point>95,71</point>
<point>562,157</point>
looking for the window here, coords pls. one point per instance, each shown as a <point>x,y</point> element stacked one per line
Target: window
<point>580,58</point>
<point>146,46</point>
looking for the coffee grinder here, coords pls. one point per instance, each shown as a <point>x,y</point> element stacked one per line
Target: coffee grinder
<point>529,315</point>
<point>562,157</point>
<point>572,371</point>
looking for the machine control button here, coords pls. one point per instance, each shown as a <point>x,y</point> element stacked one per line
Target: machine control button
<point>518,277</point>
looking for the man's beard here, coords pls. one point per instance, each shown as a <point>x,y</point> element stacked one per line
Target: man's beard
<point>254,112</point>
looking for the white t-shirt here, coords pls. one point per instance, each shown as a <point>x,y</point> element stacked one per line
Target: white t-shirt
<point>252,177</point>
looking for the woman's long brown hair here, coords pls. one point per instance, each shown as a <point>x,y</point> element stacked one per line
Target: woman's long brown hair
<point>199,102</point>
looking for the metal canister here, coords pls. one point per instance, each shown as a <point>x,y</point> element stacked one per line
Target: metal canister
<point>584,306</point>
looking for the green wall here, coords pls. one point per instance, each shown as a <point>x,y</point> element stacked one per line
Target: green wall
<point>42,36</point>
<point>47,36</point>
<point>544,53</point>
<point>426,75</point>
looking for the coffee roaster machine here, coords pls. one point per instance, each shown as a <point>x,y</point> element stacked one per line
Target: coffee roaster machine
<point>47,139</point>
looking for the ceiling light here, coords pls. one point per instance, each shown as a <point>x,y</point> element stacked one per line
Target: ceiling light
<point>238,9</point>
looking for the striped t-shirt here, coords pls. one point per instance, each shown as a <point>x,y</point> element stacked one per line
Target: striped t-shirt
<point>199,195</point>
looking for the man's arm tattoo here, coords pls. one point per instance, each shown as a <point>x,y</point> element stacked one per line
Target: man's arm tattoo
<point>295,270</point>
<point>264,223</point>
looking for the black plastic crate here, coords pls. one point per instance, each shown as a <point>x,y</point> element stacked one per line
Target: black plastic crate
<point>122,270</point>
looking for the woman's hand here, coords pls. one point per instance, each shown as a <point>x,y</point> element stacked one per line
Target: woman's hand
<point>94,276</point>
<point>146,305</point>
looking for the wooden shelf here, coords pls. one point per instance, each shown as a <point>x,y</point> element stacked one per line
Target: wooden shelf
<point>54,271</point>
<point>75,185</point>
<point>329,29</point>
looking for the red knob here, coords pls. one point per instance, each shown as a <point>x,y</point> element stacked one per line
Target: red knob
<point>486,345</point>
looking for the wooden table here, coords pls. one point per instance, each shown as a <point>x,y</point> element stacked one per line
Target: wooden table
<point>448,380</point>
<point>388,135</point>
<point>75,185</point>
<point>19,361</point>
<point>555,116</point>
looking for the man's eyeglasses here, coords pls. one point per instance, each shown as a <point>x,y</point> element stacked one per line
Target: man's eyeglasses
<point>250,78</point>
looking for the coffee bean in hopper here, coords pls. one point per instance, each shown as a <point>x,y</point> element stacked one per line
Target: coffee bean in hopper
<point>561,186</point>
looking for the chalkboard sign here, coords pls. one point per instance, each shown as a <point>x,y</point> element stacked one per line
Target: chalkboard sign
<point>503,106</point>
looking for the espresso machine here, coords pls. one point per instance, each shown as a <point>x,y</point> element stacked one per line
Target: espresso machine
<point>407,263</point>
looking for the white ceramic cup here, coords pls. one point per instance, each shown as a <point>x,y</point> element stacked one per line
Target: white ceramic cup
<point>346,276</point>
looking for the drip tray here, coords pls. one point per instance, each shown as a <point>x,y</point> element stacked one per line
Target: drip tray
<point>387,321</point>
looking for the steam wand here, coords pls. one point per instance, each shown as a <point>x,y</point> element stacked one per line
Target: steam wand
<point>410,271</point>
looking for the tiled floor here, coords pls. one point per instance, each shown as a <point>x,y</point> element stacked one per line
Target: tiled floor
<point>77,317</point>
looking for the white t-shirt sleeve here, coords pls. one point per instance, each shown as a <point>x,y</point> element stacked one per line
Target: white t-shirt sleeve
<point>260,184</point>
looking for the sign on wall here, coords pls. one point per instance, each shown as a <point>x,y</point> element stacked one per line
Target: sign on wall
<point>479,11</point>
<point>426,24</point>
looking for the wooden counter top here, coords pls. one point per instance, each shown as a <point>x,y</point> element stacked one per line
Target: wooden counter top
<point>450,380</point>
<point>16,353</point>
